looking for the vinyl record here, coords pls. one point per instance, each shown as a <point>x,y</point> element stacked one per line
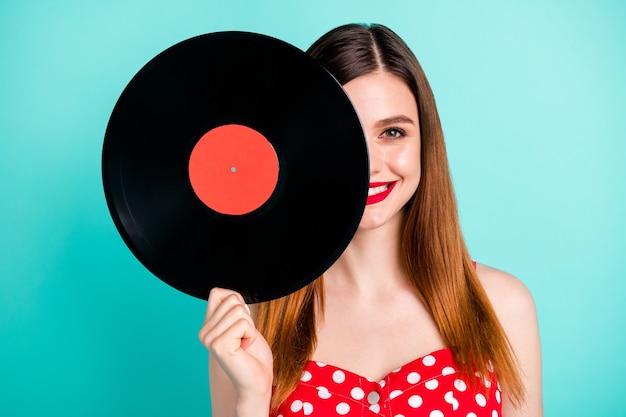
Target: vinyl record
<point>235,160</point>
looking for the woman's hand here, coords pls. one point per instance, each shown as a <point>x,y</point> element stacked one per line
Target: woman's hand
<point>240,350</point>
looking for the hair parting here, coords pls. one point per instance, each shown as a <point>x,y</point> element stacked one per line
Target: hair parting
<point>433,250</point>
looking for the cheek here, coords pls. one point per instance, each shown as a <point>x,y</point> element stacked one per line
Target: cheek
<point>407,163</point>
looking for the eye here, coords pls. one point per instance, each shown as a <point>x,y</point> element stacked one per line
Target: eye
<point>393,133</point>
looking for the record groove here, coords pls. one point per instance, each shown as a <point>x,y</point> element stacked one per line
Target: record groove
<point>298,225</point>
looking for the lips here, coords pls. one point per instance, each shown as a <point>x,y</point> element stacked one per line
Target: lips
<point>378,191</point>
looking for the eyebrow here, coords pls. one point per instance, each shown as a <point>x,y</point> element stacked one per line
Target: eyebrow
<point>395,119</point>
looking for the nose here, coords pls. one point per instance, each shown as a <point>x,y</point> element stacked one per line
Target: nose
<point>376,157</point>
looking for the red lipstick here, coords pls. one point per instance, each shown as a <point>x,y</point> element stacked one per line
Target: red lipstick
<point>378,191</point>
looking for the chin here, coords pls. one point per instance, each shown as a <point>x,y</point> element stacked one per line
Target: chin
<point>372,222</point>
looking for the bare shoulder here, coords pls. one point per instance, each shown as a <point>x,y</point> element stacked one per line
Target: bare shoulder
<point>515,307</point>
<point>508,294</point>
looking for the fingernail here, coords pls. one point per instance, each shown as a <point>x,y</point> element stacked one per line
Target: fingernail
<point>247,308</point>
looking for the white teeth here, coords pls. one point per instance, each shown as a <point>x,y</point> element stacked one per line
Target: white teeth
<point>377,190</point>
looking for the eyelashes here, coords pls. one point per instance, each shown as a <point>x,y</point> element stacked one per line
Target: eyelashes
<point>393,133</point>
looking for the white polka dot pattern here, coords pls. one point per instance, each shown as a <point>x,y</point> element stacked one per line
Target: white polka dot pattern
<point>357,393</point>
<point>415,401</point>
<point>481,400</point>
<point>449,398</point>
<point>342,409</point>
<point>394,394</point>
<point>431,386</point>
<point>413,378</point>
<point>429,360</point>
<point>323,393</point>
<point>460,385</point>
<point>339,376</point>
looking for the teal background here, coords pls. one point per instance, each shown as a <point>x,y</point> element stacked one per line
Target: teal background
<point>532,100</point>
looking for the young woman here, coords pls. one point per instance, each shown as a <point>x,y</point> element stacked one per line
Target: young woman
<point>404,323</point>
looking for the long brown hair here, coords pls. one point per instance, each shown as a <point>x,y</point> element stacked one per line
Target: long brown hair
<point>433,250</point>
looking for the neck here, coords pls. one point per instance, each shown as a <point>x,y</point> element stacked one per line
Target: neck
<point>370,266</point>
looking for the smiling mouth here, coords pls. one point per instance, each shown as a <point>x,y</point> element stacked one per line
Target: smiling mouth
<point>377,192</point>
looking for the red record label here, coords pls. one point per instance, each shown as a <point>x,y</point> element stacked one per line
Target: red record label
<point>236,124</point>
<point>233,169</point>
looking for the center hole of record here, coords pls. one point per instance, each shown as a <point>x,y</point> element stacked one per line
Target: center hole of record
<point>227,150</point>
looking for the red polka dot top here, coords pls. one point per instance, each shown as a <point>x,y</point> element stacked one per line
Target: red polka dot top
<point>430,386</point>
